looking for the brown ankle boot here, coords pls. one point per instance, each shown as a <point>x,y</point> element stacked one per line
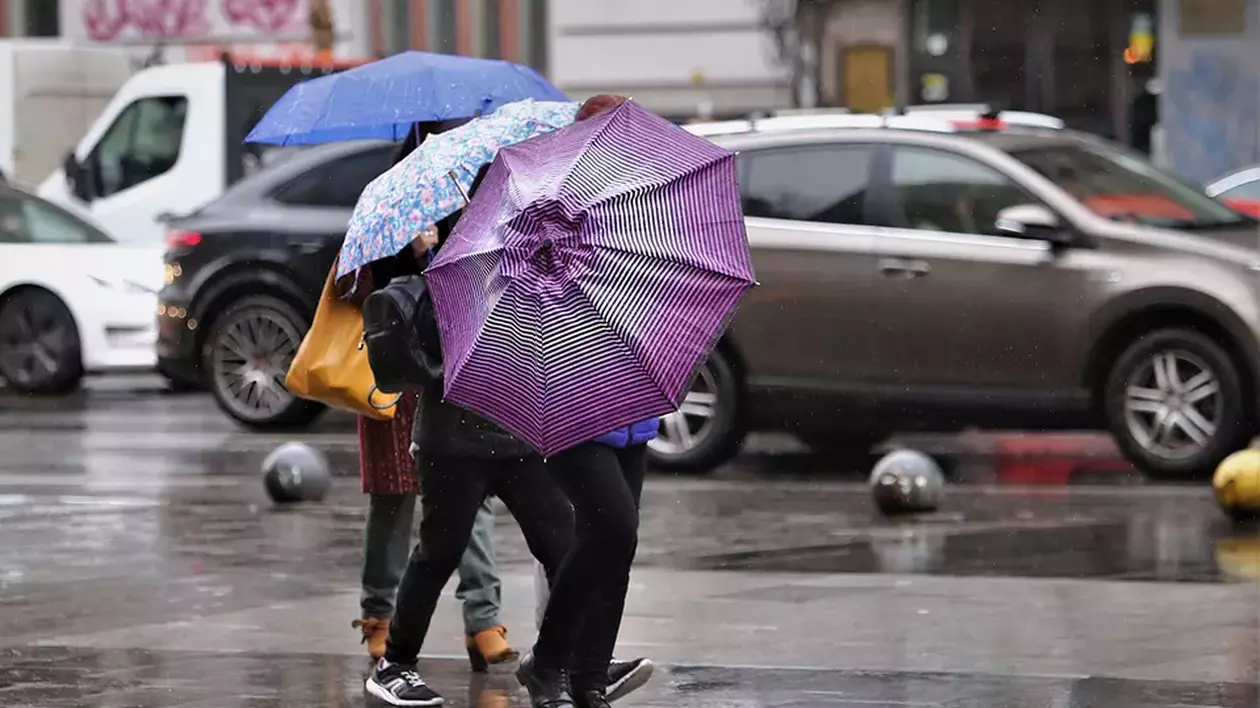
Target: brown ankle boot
<point>375,631</point>
<point>489,646</point>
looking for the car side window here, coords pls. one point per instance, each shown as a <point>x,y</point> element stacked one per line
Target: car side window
<point>935,190</point>
<point>336,184</point>
<point>144,142</point>
<point>1246,190</point>
<point>825,183</point>
<point>24,219</point>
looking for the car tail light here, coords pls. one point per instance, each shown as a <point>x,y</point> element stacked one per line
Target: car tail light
<point>983,123</point>
<point>178,238</point>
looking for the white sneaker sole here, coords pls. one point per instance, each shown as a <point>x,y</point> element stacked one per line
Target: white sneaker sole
<point>374,688</point>
<point>631,682</point>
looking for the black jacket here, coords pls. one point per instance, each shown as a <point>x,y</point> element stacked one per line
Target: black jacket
<point>446,429</point>
<point>450,431</point>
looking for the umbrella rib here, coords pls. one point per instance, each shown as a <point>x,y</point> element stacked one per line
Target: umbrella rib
<point>460,258</point>
<point>670,259</point>
<point>637,186</point>
<point>481,330</point>
<point>624,341</point>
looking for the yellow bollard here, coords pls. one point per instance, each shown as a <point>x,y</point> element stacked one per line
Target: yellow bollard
<point>1237,484</point>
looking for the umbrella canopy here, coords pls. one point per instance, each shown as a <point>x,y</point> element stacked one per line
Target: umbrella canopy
<point>590,277</point>
<point>420,190</point>
<point>383,99</point>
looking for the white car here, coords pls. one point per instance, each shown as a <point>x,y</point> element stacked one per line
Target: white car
<point>72,300</point>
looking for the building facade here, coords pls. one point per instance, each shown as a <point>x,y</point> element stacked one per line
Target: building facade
<point>1210,70</point>
<point>1087,61</point>
<point>199,29</point>
<point>680,58</point>
<point>515,30</point>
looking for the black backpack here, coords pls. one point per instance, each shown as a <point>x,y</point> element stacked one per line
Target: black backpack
<point>401,335</point>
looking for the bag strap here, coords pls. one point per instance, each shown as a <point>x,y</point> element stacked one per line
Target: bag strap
<point>387,406</point>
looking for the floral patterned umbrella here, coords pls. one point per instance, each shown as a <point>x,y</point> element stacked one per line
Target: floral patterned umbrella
<point>430,183</point>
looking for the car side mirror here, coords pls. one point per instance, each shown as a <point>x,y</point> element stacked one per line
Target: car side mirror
<point>1032,221</point>
<point>78,177</point>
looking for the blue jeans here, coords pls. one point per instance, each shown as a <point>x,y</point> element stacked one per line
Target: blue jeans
<point>387,546</point>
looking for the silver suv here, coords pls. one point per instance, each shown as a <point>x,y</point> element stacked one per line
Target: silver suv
<point>920,275</point>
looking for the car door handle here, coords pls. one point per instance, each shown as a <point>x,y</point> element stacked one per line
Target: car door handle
<point>306,247</point>
<point>902,268</point>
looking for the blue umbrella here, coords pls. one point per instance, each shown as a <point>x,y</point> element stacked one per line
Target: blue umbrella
<point>383,99</point>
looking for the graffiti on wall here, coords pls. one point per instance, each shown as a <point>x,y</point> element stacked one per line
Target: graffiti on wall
<point>113,20</point>
<point>1210,109</point>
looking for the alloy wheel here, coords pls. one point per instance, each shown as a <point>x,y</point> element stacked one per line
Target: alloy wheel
<point>250,356</point>
<point>689,426</point>
<point>1173,404</point>
<point>34,335</point>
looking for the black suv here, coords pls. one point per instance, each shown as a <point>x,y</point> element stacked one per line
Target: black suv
<point>244,274</point>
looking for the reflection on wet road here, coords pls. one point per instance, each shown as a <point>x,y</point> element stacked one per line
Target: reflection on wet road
<point>142,565</point>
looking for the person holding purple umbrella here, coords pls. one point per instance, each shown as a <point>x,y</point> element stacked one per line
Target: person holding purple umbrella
<point>462,458</point>
<point>582,290</point>
<point>603,479</point>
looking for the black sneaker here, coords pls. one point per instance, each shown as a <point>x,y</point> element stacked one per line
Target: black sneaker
<point>590,698</point>
<point>548,688</point>
<point>625,677</point>
<point>400,685</point>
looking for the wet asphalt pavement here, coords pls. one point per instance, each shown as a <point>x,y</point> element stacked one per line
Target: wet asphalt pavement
<point>141,564</point>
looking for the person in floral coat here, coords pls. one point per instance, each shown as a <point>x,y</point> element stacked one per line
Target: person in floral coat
<point>388,476</point>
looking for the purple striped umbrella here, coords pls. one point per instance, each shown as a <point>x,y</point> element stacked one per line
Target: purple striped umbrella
<point>590,277</point>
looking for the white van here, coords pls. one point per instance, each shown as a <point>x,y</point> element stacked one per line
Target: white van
<point>170,141</point>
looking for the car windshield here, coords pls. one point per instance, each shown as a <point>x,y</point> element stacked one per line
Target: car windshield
<point>1127,188</point>
<point>25,217</point>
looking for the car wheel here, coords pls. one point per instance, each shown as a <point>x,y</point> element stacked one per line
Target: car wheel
<point>247,354</point>
<point>1175,404</point>
<point>706,430</point>
<point>40,350</point>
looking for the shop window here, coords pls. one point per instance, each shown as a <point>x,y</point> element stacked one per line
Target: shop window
<point>42,17</point>
<point>1213,17</point>
<point>935,26</point>
<point>491,39</point>
<point>444,27</point>
<point>398,28</point>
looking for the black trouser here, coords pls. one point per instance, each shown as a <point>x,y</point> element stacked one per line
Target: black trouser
<point>451,490</point>
<point>588,594</point>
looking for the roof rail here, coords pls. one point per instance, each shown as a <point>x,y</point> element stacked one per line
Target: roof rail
<point>722,127</point>
<point>934,107</point>
<point>936,120</point>
<point>833,111</point>
<point>1023,119</point>
<point>819,122</point>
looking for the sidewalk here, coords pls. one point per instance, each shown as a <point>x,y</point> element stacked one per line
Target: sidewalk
<point>1024,627</point>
